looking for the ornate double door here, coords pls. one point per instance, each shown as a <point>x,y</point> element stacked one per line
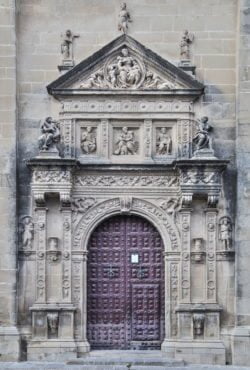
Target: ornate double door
<point>125,307</point>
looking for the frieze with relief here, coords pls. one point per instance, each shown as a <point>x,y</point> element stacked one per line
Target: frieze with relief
<point>51,177</point>
<point>126,181</point>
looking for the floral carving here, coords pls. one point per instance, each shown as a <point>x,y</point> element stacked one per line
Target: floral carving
<point>81,205</point>
<point>197,177</point>
<point>51,176</point>
<point>126,181</point>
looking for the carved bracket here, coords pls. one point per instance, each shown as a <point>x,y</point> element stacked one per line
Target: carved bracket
<point>201,177</point>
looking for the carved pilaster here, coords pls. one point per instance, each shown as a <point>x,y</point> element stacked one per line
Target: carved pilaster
<point>104,138</point>
<point>68,138</point>
<point>148,138</point>
<point>184,138</point>
<point>41,214</point>
<point>211,224</point>
<point>66,256</point>
<point>185,215</point>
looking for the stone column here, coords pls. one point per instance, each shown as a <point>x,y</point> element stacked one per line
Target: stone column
<point>241,333</point>
<point>9,337</point>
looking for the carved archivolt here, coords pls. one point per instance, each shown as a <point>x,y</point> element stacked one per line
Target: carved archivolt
<point>137,206</point>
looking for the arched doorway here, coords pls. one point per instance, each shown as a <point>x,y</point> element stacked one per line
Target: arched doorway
<point>125,294</point>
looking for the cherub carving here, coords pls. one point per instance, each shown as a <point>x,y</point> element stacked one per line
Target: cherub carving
<point>124,19</point>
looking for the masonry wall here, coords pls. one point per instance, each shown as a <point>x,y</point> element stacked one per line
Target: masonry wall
<point>9,341</point>
<point>158,25</point>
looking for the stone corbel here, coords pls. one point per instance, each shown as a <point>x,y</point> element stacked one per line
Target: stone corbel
<point>65,198</point>
<point>202,177</point>
<point>39,197</point>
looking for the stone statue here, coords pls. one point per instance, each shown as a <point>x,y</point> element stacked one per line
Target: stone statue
<point>164,143</point>
<point>50,135</point>
<point>186,41</point>
<point>225,234</point>
<point>126,143</point>
<point>124,19</point>
<point>153,81</point>
<point>88,141</point>
<point>27,232</point>
<point>67,45</point>
<point>202,139</point>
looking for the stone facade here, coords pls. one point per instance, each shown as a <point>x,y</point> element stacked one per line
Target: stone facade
<point>153,123</point>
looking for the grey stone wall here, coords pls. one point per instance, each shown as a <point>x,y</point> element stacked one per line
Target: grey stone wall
<point>241,339</point>
<point>9,340</point>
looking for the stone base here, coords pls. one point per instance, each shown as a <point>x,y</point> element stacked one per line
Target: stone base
<point>204,154</point>
<point>83,347</point>
<point>51,350</point>
<point>241,346</point>
<point>196,352</point>
<point>9,344</point>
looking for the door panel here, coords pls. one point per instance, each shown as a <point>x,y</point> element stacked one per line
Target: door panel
<point>125,284</point>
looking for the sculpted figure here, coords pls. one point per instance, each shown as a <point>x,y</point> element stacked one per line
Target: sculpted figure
<point>50,134</point>
<point>202,139</point>
<point>126,143</point>
<point>152,81</point>
<point>124,19</point>
<point>27,232</point>
<point>164,142</point>
<point>128,71</point>
<point>186,41</point>
<point>67,45</point>
<point>226,232</point>
<point>88,141</point>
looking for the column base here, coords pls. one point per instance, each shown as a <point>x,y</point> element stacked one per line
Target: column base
<point>195,352</point>
<point>51,350</point>
<point>82,347</point>
<point>241,346</point>
<point>9,343</point>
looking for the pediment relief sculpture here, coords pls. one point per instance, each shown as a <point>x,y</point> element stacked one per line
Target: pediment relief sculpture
<point>126,72</point>
<point>124,64</point>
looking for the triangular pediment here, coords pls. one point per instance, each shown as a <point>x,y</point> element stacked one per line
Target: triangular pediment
<point>125,64</point>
